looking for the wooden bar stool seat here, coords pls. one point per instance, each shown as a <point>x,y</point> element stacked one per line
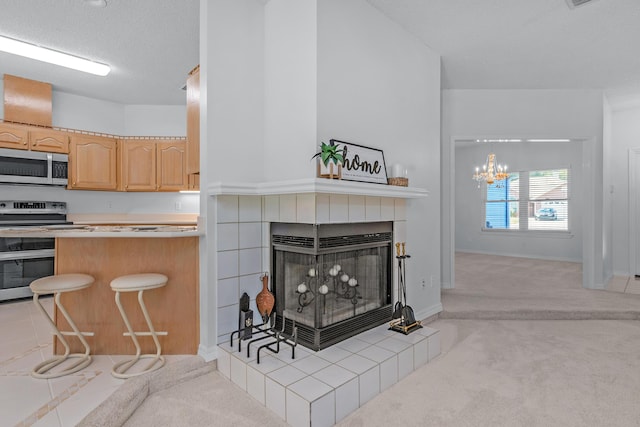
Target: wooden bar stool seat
<point>138,283</point>
<point>57,285</point>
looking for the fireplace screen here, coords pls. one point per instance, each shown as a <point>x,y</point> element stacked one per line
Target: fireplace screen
<point>334,281</point>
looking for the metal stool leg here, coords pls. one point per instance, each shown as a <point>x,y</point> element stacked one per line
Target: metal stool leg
<point>119,369</point>
<point>42,369</point>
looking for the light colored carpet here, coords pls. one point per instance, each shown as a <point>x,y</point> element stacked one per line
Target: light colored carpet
<point>490,373</point>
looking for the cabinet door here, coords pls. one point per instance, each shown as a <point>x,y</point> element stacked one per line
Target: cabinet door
<point>138,165</point>
<point>172,175</point>
<point>193,121</point>
<point>52,141</point>
<point>14,136</point>
<point>92,163</point>
<point>194,181</point>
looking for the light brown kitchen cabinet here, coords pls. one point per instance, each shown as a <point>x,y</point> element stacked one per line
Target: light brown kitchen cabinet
<point>171,166</point>
<point>152,165</point>
<point>49,140</point>
<point>137,165</point>
<point>193,181</point>
<point>193,121</point>
<point>14,136</point>
<point>92,163</point>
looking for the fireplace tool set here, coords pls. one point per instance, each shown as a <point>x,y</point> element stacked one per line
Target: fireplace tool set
<point>267,329</point>
<point>403,318</point>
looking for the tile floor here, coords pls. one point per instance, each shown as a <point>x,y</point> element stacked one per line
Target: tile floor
<point>321,388</point>
<point>60,402</point>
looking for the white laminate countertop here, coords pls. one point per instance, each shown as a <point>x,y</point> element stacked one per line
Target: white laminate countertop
<point>95,231</point>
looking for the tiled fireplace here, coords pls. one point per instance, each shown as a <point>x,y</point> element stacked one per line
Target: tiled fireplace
<point>322,387</point>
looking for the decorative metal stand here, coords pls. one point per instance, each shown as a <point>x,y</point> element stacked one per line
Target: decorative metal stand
<point>344,287</point>
<point>404,320</point>
<point>268,330</point>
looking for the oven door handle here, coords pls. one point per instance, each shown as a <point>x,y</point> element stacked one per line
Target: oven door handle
<point>18,255</point>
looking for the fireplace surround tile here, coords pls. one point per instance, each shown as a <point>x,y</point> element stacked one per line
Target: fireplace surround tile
<point>288,208</point>
<point>250,235</point>
<point>239,372</point>
<point>271,208</point>
<point>250,261</point>
<point>338,208</point>
<point>227,236</point>
<point>357,364</point>
<point>227,209</point>
<point>306,208</point>
<point>322,208</point>
<point>420,353</point>
<point>228,291</point>
<point>333,354</point>
<point>388,372</point>
<point>387,209</point>
<point>357,208</point>
<point>310,402</point>
<point>400,210</point>
<point>311,364</point>
<point>405,362</point>
<point>250,208</point>
<point>434,345</point>
<point>347,399</point>
<point>369,384</point>
<point>227,264</point>
<point>353,345</point>
<point>372,208</point>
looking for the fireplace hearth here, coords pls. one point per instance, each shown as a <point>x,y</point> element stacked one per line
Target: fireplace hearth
<point>332,280</point>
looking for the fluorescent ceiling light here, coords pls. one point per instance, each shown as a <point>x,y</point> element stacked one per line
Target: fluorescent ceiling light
<point>498,140</point>
<point>28,50</point>
<point>548,140</point>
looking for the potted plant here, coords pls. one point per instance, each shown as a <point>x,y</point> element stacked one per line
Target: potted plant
<point>330,155</point>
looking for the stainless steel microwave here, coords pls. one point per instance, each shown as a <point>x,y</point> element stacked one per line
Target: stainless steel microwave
<point>33,167</point>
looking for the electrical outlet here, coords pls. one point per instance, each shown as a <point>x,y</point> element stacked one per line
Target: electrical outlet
<point>178,206</point>
<point>109,204</point>
<point>424,283</point>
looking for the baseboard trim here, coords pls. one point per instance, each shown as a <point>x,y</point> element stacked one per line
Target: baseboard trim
<point>208,353</point>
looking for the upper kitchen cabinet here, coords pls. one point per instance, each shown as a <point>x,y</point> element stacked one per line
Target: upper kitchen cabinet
<point>14,136</point>
<point>92,163</point>
<point>193,121</point>
<point>49,140</point>
<point>137,165</point>
<point>171,166</point>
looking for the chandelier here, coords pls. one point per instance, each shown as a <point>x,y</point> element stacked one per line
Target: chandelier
<point>491,171</point>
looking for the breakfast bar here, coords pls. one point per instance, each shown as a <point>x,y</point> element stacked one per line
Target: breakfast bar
<point>107,252</point>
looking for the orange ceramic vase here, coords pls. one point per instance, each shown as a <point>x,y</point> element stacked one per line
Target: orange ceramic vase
<point>265,300</point>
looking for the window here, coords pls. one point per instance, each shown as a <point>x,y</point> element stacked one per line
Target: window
<point>532,200</point>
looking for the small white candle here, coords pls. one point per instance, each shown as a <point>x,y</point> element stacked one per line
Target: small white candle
<point>337,267</point>
<point>333,272</point>
<point>344,278</point>
<point>312,272</point>
<point>324,289</point>
<point>353,282</point>
<point>302,288</point>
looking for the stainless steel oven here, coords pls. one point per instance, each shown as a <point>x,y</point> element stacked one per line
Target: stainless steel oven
<point>24,259</point>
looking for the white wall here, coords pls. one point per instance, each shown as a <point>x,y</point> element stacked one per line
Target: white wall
<point>291,92</point>
<point>378,86</point>
<point>79,112</point>
<point>523,156</point>
<point>574,114</point>
<point>155,120</point>
<point>625,135</point>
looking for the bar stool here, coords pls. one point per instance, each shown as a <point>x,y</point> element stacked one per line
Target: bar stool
<point>138,283</point>
<point>57,285</point>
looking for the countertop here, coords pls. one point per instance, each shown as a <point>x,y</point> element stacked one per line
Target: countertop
<point>95,231</point>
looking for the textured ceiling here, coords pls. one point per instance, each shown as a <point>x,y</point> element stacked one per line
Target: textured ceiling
<point>485,44</point>
<point>527,44</point>
<point>151,46</point>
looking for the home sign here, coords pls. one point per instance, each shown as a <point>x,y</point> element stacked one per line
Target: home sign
<point>362,163</point>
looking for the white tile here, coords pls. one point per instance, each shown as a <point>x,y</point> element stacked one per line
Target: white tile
<point>372,208</point>
<point>275,398</point>
<point>251,284</point>
<point>228,319</point>
<point>306,208</point>
<point>250,261</point>
<point>288,208</point>
<point>286,375</point>
<point>357,364</point>
<point>393,345</point>
<point>227,209</point>
<point>227,264</point>
<point>369,384</point>
<point>388,373</point>
<point>250,208</point>
<point>323,411</point>
<point>239,372</point>
<point>347,399</point>
<point>334,375</point>
<point>377,354</point>
<point>387,209</point>
<point>373,336</point>
<point>400,232</point>
<point>356,208</point>
<point>298,410</point>
<point>310,364</point>
<point>228,292</point>
<point>255,384</point>
<point>400,210</point>
<point>267,364</point>
<point>333,353</point>
<point>271,208</point>
<point>322,208</point>
<point>420,353</point>
<point>434,346</point>
<point>224,361</point>
<point>266,234</point>
<point>250,235</point>
<point>265,254</point>
<point>353,344</point>
<point>227,236</point>
<point>405,362</point>
<point>338,208</point>
<point>310,388</point>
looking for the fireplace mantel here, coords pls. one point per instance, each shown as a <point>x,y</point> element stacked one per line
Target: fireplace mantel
<point>318,185</point>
